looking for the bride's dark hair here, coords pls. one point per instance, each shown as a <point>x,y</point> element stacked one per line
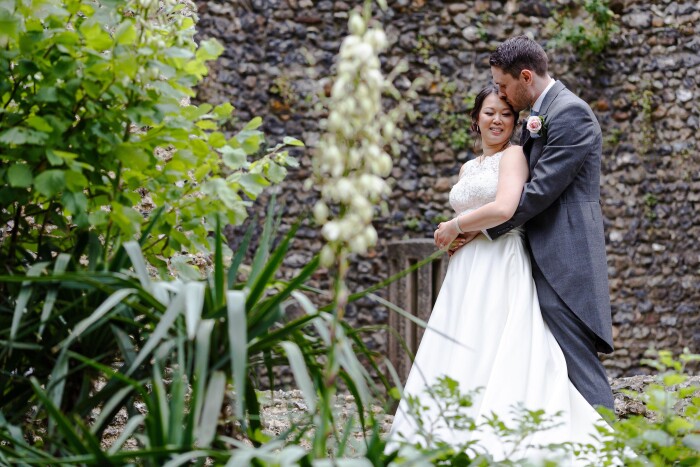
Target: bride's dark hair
<point>479,103</point>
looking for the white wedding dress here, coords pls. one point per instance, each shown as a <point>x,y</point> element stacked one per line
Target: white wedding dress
<point>486,331</point>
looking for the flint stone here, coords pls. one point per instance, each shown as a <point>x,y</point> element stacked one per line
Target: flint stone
<point>471,34</point>
<point>640,20</point>
<point>462,20</point>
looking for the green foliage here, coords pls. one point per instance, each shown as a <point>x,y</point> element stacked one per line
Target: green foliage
<point>92,120</point>
<point>411,223</point>
<point>650,202</point>
<point>644,102</point>
<point>424,49</point>
<point>165,352</point>
<point>103,337</point>
<point>441,218</point>
<point>444,408</point>
<point>612,139</point>
<point>454,123</point>
<point>588,35</point>
<point>457,126</point>
<point>669,436</point>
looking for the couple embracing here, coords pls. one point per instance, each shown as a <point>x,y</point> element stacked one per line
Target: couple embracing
<point>524,308</point>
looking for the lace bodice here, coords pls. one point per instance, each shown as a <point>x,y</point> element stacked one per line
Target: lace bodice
<point>476,185</point>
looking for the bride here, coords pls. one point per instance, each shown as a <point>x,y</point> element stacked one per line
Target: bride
<point>486,331</point>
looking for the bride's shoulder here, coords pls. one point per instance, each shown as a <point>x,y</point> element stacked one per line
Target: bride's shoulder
<point>512,152</point>
<point>513,156</point>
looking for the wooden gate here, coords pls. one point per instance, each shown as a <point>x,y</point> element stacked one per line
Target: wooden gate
<point>415,293</point>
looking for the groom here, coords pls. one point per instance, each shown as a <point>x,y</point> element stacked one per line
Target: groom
<point>560,211</point>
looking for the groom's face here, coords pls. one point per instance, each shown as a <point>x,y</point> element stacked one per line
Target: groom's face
<point>513,90</point>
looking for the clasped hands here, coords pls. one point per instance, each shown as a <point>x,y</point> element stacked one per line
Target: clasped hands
<point>448,238</point>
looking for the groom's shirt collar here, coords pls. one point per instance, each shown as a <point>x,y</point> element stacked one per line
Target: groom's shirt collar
<point>538,103</point>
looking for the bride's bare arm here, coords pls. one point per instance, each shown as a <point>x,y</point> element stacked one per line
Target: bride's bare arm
<point>512,175</point>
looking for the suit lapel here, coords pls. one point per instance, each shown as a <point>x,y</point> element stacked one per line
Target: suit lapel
<point>526,140</point>
<point>524,134</point>
<point>551,95</point>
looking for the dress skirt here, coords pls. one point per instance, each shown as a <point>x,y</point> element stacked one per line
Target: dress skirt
<point>487,333</point>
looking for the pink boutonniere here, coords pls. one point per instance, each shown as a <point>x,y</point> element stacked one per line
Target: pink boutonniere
<point>536,126</point>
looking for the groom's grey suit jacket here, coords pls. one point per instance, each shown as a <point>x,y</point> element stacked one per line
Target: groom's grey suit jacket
<point>560,209</point>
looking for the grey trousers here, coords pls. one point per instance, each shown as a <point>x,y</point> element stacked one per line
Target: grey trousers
<point>577,341</point>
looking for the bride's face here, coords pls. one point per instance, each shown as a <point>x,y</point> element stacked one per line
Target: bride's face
<point>496,121</point>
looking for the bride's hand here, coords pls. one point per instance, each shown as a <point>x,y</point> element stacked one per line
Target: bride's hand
<point>462,240</point>
<point>445,234</point>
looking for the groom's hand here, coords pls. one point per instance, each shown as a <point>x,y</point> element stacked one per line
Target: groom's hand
<point>462,240</point>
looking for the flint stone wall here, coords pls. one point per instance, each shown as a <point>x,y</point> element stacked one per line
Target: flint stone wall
<point>644,89</point>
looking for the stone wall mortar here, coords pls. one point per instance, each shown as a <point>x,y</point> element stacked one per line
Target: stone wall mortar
<point>644,89</point>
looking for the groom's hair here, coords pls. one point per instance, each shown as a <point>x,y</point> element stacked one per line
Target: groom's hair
<point>520,53</point>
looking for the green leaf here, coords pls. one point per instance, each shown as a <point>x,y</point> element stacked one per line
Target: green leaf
<point>60,266</point>
<point>234,158</point>
<point>74,440</point>
<point>250,141</point>
<point>178,52</point>
<point>166,321</point>
<point>183,268</point>
<point>187,23</point>
<point>209,49</point>
<point>240,254</point>
<point>254,124</point>
<point>133,157</point>
<point>47,94</point>
<point>125,33</point>
<point>301,374</point>
<point>50,182</point>
<point>679,424</point>
<point>21,135</point>
<point>53,159</point>
<point>238,344</point>
<point>206,431</point>
<point>23,298</point>
<point>207,125</point>
<point>133,250</point>
<point>658,437</point>
<point>687,392</point>
<point>201,366</point>
<point>9,24</point>
<point>194,303</point>
<point>135,421</point>
<point>292,141</point>
<point>75,181</point>
<point>217,139</point>
<point>98,218</point>
<point>223,110</point>
<point>95,37</point>
<point>20,176</point>
<point>253,184</point>
<point>39,124</point>
<point>276,173</point>
<point>105,307</point>
<point>75,201</point>
<point>692,441</point>
<point>672,379</point>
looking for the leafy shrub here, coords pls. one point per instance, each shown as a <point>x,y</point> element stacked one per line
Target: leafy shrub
<point>590,35</point>
<point>667,435</point>
<point>670,434</point>
<point>94,120</point>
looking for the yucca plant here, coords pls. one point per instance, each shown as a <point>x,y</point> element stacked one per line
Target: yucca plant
<point>169,353</point>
